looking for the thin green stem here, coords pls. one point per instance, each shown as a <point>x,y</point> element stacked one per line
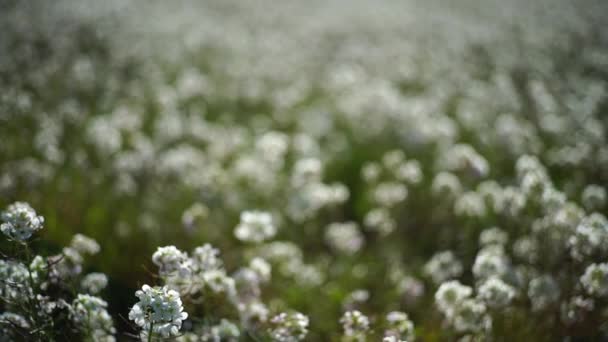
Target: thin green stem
<point>31,302</point>
<point>150,331</point>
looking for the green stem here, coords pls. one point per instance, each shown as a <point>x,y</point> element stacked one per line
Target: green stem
<point>150,331</point>
<point>31,302</point>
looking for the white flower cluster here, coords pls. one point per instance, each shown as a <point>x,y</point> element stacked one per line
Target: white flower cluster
<point>463,312</point>
<point>255,226</point>
<point>344,237</point>
<point>201,272</point>
<point>40,290</point>
<point>443,266</point>
<point>289,327</point>
<point>171,260</point>
<point>94,283</point>
<point>412,152</point>
<point>90,312</point>
<point>355,324</point>
<point>159,311</point>
<point>595,279</point>
<point>399,326</point>
<point>20,221</point>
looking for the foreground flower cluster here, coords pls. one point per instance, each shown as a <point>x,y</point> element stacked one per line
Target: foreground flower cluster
<point>47,298</point>
<point>228,170</point>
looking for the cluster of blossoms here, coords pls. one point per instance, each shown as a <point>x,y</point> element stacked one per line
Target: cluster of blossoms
<point>40,294</point>
<point>159,311</point>
<point>289,327</point>
<point>387,184</point>
<point>355,325</point>
<point>463,312</point>
<point>92,313</point>
<point>20,221</point>
<point>255,226</point>
<point>399,326</point>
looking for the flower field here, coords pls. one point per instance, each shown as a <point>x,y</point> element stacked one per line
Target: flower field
<point>361,170</point>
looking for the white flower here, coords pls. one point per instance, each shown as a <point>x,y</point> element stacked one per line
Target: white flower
<point>400,325</point>
<point>197,212</point>
<point>496,293</point>
<point>261,268</point>
<point>450,295</point>
<point>171,260</point>
<point>306,171</point>
<point>576,309</point>
<point>392,339</point>
<point>85,244</point>
<point>289,327</point>
<point>470,315</point>
<point>253,311</point>
<point>443,266</point>
<point>464,158</point>
<point>379,220</point>
<point>594,197</point>
<point>160,307</point>
<point>218,282</point>
<point>9,322</point>
<point>388,194</point>
<point>206,258</point>
<point>225,331</point>
<point>255,226</point>
<point>410,172</point>
<point>446,184</point>
<point>344,237</point>
<point>14,285</point>
<point>354,323</point>
<point>595,279</point>
<point>491,261</point>
<point>493,236</point>
<point>94,282</point>
<point>590,235</point>
<point>90,312</point>
<point>470,204</point>
<point>20,221</point>
<point>543,291</point>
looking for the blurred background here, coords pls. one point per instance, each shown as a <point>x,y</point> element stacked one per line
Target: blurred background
<point>151,123</point>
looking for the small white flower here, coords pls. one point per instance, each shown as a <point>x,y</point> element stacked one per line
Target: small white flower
<point>91,314</point>
<point>160,307</point>
<point>400,325</point>
<point>491,261</point>
<point>493,236</point>
<point>450,295</point>
<point>171,260</point>
<point>255,226</point>
<point>595,279</point>
<point>354,323</point>
<point>20,221</point>
<point>543,291</point>
<point>470,315</point>
<point>443,266</point>
<point>93,283</point>
<point>261,268</point>
<point>85,244</point>
<point>496,293</point>
<point>344,237</point>
<point>289,327</point>
<point>206,258</point>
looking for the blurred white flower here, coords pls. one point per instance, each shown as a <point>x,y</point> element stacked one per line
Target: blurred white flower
<point>255,226</point>
<point>20,221</point>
